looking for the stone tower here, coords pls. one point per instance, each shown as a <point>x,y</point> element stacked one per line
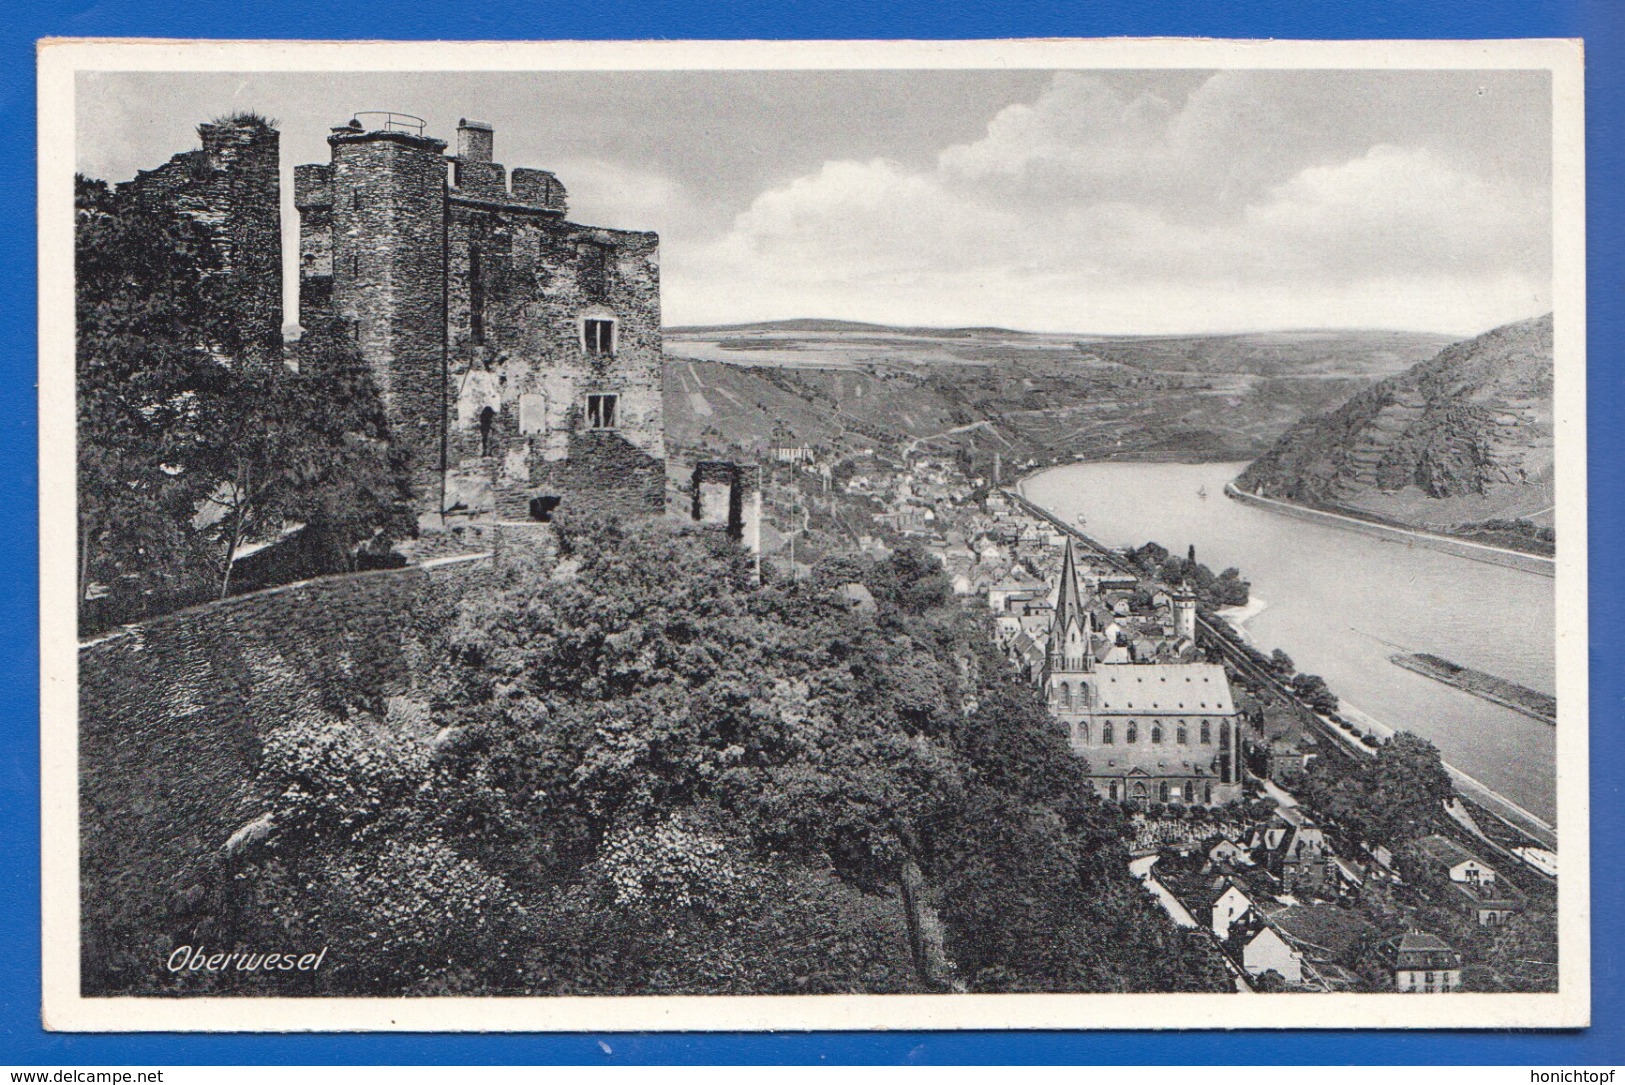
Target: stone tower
<point>231,189</point>
<point>1184,606</point>
<point>373,257</point>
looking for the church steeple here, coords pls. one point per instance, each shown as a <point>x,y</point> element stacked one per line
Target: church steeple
<point>1072,630</point>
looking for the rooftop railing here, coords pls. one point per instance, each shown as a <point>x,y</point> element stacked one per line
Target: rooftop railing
<point>383,120</point>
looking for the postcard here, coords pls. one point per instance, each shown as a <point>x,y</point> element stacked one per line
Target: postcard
<point>813,535</point>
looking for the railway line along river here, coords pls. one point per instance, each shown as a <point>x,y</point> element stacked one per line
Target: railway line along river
<point>1339,602</point>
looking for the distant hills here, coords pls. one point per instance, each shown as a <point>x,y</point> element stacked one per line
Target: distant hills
<point>1462,438</point>
<point>1026,395</point>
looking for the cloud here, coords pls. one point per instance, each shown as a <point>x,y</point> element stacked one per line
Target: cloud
<point>1101,207</point>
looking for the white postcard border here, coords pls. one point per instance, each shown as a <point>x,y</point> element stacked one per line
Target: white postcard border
<point>60,60</point>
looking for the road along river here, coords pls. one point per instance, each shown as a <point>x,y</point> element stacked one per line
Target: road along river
<point>1341,602</point>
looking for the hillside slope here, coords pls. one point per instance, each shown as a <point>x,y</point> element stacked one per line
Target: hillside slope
<point>1030,397</point>
<point>1461,439</point>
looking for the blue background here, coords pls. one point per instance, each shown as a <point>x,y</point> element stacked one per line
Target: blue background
<point>1600,22</point>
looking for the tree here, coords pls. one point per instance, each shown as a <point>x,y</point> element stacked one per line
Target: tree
<point>1312,689</point>
<point>150,381</point>
<point>1282,663</point>
<point>192,441</point>
<point>312,448</point>
<point>1406,783</point>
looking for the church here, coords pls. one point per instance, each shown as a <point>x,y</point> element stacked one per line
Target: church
<point>1155,732</point>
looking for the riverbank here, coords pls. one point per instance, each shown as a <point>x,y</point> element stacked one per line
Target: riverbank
<point>1462,548</point>
<point>1532,826</point>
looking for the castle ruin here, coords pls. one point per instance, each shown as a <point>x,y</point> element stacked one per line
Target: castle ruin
<point>518,354</point>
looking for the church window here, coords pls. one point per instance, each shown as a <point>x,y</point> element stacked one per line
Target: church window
<point>1190,791</point>
<point>1207,733</point>
<point>1106,733</point>
<point>1162,791</point>
<point>1083,733</point>
<point>488,422</point>
<point>1182,735</point>
<point>601,410</point>
<point>1112,789</point>
<point>1066,695</point>
<point>1207,793</point>
<point>599,336</point>
<point>1156,732</point>
<point>1133,732</point>
<point>1139,789</point>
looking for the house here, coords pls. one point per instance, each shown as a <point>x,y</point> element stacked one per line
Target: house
<point>1260,949</point>
<point>1296,851</point>
<point>1228,853</point>
<point>1475,887</point>
<point>1421,962</point>
<point>1458,863</point>
<point>1227,905</point>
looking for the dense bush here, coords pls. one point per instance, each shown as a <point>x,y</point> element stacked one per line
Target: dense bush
<point>634,772</point>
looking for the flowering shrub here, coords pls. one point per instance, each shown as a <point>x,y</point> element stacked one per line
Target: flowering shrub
<point>667,865</point>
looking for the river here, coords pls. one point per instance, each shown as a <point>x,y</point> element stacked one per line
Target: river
<point>1327,595</point>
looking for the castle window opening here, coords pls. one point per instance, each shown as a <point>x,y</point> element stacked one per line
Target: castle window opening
<point>1183,735</point>
<point>1106,733</point>
<point>543,507</point>
<point>600,336</point>
<point>1156,732</point>
<point>488,421</point>
<point>1133,733</point>
<point>601,410</point>
<point>1207,734</point>
<point>476,298</point>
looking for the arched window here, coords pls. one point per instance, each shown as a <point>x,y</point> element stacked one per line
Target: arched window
<point>1207,733</point>
<point>488,422</point>
<point>1133,732</point>
<point>1207,793</point>
<point>1066,695</point>
<point>1083,732</point>
<point>1183,735</point>
<point>1139,789</point>
<point>1113,790</point>
<point>1156,732</point>
<point>1162,791</point>
<point>1106,733</point>
<point>1190,791</point>
<point>1083,695</point>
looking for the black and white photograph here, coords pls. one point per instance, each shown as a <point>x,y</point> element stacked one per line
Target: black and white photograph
<point>881,535</point>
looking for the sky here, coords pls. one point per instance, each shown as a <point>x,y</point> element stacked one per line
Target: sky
<point>1103,201</point>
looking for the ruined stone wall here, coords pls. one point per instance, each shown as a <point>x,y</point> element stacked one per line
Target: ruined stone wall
<point>313,198</point>
<point>522,287</point>
<point>231,187</point>
<point>171,718</point>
